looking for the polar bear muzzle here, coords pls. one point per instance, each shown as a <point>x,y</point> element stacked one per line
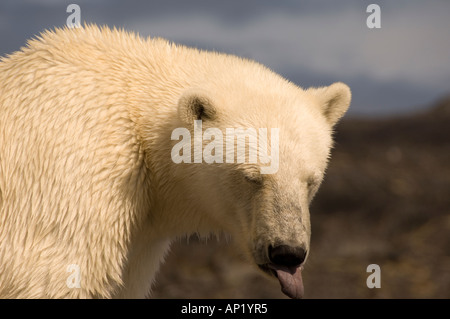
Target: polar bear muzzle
<point>286,264</point>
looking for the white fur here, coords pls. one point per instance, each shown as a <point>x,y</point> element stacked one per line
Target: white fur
<point>85,172</point>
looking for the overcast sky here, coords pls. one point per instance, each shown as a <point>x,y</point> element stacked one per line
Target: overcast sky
<point>402,67</point>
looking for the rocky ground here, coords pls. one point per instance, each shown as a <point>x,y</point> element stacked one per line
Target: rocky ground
<point>385,200</point>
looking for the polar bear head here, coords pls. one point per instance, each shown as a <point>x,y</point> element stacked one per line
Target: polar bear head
<point>255,158</point>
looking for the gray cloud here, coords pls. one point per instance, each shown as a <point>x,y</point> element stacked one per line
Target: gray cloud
<point>406,62</point>
<point>404,49</point>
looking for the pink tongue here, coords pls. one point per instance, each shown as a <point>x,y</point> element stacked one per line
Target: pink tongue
<point>290,280</point>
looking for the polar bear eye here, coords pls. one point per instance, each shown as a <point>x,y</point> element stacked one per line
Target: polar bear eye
<point>312,184</point>
<point>254,178</point>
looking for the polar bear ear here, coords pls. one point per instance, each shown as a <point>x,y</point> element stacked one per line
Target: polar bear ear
<point>195,105</point>
<point>335,100</point>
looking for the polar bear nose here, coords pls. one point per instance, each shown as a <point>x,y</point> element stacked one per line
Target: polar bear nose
<point>288,256</point>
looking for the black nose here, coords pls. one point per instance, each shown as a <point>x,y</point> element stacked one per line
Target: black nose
<point>288,256</point>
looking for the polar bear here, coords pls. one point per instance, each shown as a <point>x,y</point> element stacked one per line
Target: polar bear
<point>90,195</point>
